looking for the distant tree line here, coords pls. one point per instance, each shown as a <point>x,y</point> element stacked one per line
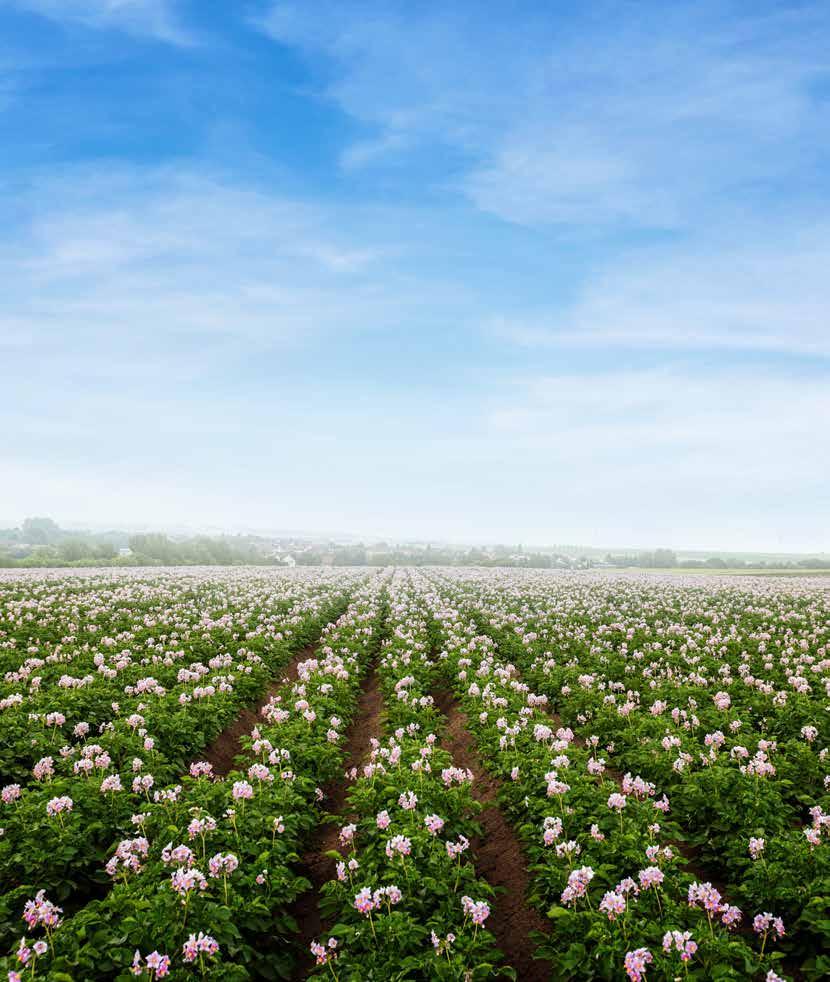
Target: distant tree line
<point>42,542</point>
<point>667,559</point>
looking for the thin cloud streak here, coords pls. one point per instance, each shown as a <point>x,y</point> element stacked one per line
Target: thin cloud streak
<point>580,132</point>
<point>155,19</point>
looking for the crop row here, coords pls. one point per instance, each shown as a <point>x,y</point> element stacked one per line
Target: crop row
<point>404,895</point>
<point>601,844</point>
<point>215,855</point>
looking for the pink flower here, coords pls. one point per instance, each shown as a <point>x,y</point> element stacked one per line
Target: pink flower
<point>185,881</point>
<point>390,895</point>
<point>408,800</point>
<point>156,962</point>
<point>455,849</point>
<point>222,865</point>
<point>323,954</point>
<point>364,902</point>
<point>196,945</point>
<point>680,942</point>
<point>201,826</point>
<point>44,769</point>
<point>57,806</point>
<point>398,844</point>
<point>259,772</point>
<point>442,946</point>
<point>627,886</point>
<point>128,856</point>
<point>730,916</point>
<point>42,911</point>
<point>635,963</point>
<point>477,910</point>
<point>557,788</point>
<point>756,847</point>
<point>762,924</point>
<point>651,876</point>
<point>705,895</point>
<point>613,904</point>
<point>24,952</point>
<point>577,884</point>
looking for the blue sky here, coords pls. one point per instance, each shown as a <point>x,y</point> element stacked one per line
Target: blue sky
<point>553,274</point>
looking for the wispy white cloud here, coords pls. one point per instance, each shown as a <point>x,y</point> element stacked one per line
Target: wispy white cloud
<point>676,410</point>
<point>637,121</point>
<point>129,279</point>
<point>150,18</point>
<point>118,253</point>
<point>720,294</point>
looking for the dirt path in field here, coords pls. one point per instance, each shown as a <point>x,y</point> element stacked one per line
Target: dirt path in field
<point>498,853</point>
<point>316,865</point>
<point>224,750</point>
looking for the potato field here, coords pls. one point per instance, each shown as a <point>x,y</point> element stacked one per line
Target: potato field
<point>433,773</point>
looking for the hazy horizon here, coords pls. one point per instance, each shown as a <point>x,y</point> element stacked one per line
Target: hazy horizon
<point>344,536</point>
<point>556,274</point>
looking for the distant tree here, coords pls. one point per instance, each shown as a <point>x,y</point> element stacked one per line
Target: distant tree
<point>539,561</point>
<point>665,558</point>
<point>309,558</point>
<point>40,556</point>
<point>350,557</point>
<point>41,531</point>
<point>72,550</point>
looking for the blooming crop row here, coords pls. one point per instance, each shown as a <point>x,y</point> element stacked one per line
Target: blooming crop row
<point>207,871</point>
<point>662,746</point>
<point>719,695</point>
<point>404,891</point>
<point>599,843</point>
<point>59,826</point>
<point>103,652</point>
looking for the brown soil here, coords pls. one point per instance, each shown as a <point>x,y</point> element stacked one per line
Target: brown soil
<point>316,865</point>
<point>224,750</point>
<point>499,856</point>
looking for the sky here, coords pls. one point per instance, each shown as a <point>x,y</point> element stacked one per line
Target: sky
<point>519,272</point>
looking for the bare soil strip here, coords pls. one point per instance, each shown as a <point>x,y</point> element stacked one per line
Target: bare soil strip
<point>224,750</point>
<point>316,865</point>
<point>499,856</point>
